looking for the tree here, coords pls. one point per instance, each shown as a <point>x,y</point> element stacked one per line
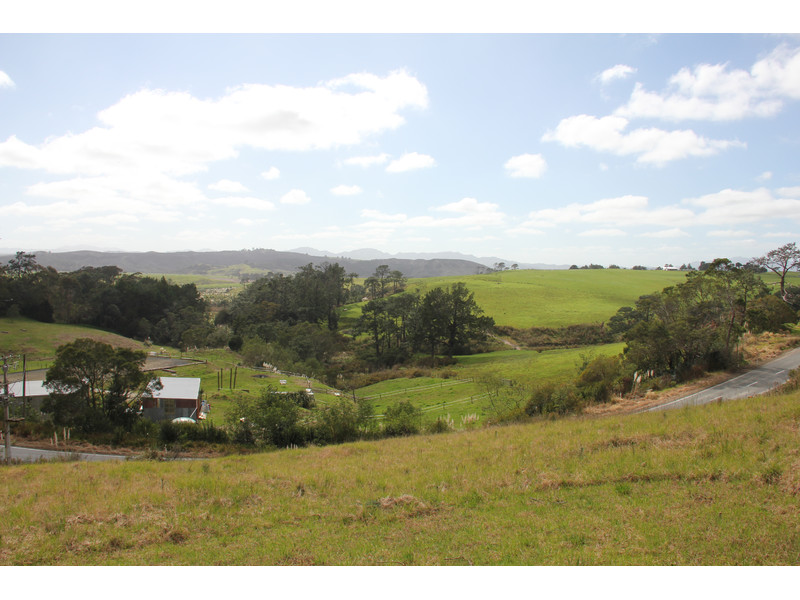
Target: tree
<point>451,318</point>
<point>780,261</point>
<point>696,324</point>
<point>93,385</point>
<point>23,264</point>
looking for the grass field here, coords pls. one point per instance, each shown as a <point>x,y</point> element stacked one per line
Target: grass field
<point>713,485</point>
<point>532,298</point>
<point>39,340</point>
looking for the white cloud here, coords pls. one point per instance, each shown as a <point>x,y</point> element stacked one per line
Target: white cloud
<point>730,233</point>
<point>615,72</point>
<point>346,190</point>
<point>651,146</point>
<point>765,176</point>
<point>228,186</point>
<point>526,165</point>
<point>602,233</point>
<point>473,212</point>
<point>5,80</point>
<point>367,161</point>
<point>377,215</point>
<point>297,197</point>
<point>675,232</point>
<point>410,162</point>
<point>621,211</point>
<point>271,173</point>
<point>469,214</point>
<point>792,192</point>
<point>739,206</point>
<point>244,202</point>
<point>157,136</point>
<point>782,234</point>
<point>717,93</point>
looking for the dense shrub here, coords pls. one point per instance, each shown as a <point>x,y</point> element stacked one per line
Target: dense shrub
<point>769,313</point>
<point>402,418</point>
<point>554,399</point>
<point>600,379</point>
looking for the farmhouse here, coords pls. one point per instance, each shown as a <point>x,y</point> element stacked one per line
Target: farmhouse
<point>34,391</point>
<point>178,397</point>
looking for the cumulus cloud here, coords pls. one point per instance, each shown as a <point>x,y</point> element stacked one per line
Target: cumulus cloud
<point>526,165</point>
<point>649,145</point>
<point>271,173</point>
<point>792,192</point>
<point>740,206</point>
<point>143,143</point>
<point>607,232</point>
<point>5,80</point>
<point>296,197</point>
<point>675,232</point>
<point>467,213</point>
<point>729,233</point>
<point>176,133</point>
<point>228,186</point>
<point>346,190</point>
<point>367,161</point>
<point>474,212</point>
<point>244,202</point>
<point>622,211</point>
<point>615,72</point>
<point>410,162</point>
<point>718,93</point>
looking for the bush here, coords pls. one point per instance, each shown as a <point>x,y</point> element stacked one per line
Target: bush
<point>769,313</point>
<point>554,399</point>
<point>235,343</point>
<point>442,425</point>
<point>600,378</point>
<point>338,422</point>
<point>402,418</point>
<point>168,432</point>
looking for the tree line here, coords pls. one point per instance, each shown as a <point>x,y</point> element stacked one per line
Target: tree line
<point>129,304</point>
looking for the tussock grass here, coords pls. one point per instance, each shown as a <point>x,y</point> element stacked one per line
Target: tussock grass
<point>718,484</point>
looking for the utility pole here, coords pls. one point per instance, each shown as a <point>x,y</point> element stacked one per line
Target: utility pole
<point>5,411</point>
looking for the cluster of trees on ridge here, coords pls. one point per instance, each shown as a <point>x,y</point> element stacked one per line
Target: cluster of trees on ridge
<point>129,304</point>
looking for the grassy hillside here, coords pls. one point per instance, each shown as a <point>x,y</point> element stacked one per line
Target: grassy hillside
<point>711,485</point>
<point>40,340</point>
<point>556,298</point>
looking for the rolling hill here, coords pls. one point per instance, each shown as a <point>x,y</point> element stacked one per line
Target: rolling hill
<point>261,259</point>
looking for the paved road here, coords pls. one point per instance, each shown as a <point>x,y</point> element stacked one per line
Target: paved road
<point>752,383</point>
<point>152,363</point>
<point>34,455</point>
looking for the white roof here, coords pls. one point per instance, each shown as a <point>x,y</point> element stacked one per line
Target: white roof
<point>32,388</point>
<point>178,388</point>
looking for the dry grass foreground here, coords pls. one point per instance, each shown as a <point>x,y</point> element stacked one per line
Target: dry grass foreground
<point>718,484</point>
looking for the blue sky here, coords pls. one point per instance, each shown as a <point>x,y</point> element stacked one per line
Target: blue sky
<point>537,148</point>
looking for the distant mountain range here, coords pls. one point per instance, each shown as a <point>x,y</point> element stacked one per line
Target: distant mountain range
<point>267,260</point>
<point>373,254</point>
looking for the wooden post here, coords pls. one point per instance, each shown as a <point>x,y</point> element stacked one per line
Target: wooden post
<point>7,429</point>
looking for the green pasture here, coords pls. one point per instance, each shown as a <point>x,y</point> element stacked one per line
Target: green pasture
<point>464,391</point>
<point>710,485</point>
<point>39,341</point>
<point>534,298</point>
